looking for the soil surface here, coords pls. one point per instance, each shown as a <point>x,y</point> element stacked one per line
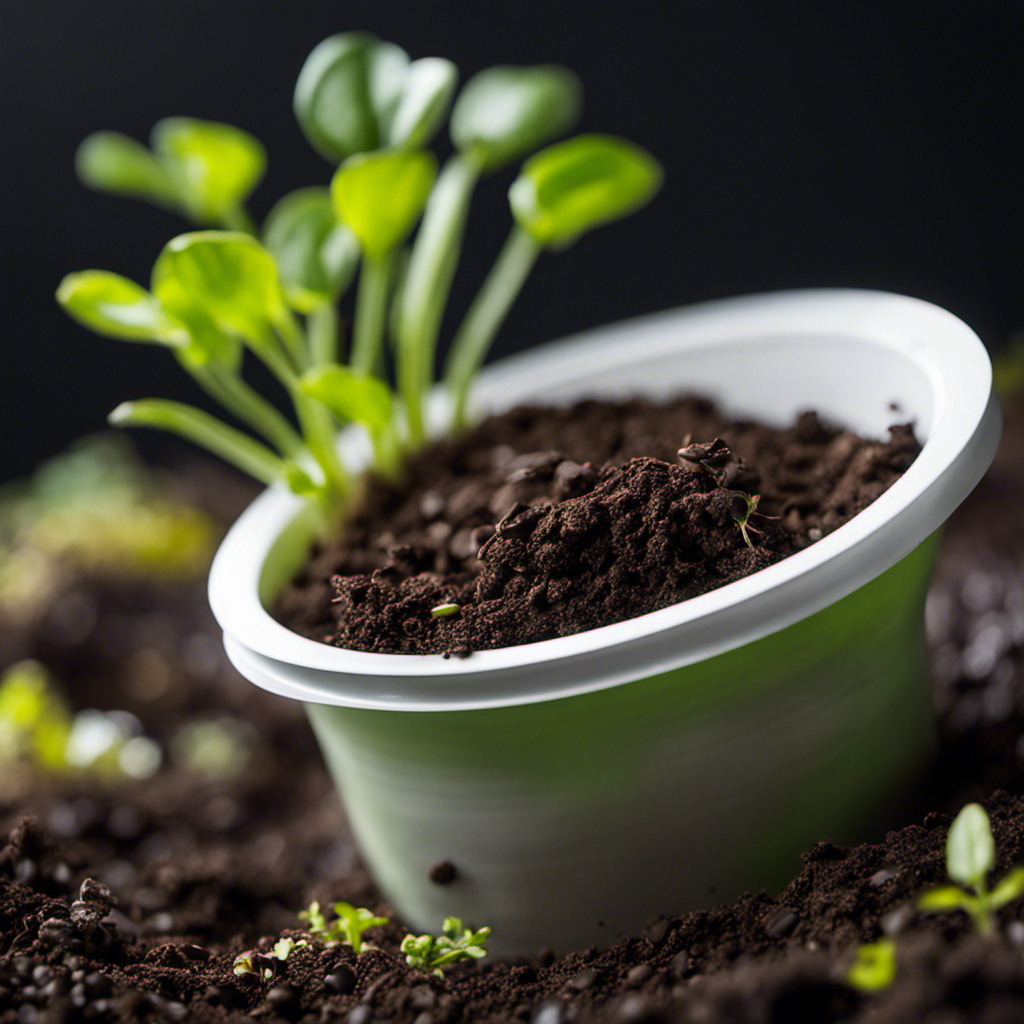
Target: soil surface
<point>542,523</point>
<point>206,860</point>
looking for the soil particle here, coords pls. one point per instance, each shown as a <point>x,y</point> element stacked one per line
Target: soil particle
<point>596,516</point>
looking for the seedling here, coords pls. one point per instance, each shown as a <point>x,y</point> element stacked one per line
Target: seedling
<point>970,856</point>
<point>746,505</point>
<point>218,297</point>
<point>874,966</point>
<point>348,926</point>
<point>454,943</point>
<point>283,947</point>
<point>712,457</point>
<point>445,611</point>
<point>253,964</point>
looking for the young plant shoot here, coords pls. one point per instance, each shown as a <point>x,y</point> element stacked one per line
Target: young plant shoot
<point>348,925</point>
<point>970,856</point>
<point>454,943</point>
<point>219,298</point>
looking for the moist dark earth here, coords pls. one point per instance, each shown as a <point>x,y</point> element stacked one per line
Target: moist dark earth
<point>544,523</point>
<point>129,900</point>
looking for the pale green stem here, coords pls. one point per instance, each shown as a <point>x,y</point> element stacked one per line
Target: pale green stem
<point>318,429</point>
<point>314,422</point>
<point>250,407</point>
<point>371,314</point>
<point>386,452</point>
<point>428,283</point>
<point>199,427</point>
<point>294,340</point>
<point>485,317</point>
<point>322,331</point>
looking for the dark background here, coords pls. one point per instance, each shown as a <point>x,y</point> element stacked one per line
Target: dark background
<point>815,144</point>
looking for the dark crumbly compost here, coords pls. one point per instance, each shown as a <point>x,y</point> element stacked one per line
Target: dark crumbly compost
<point>543,523</point>
<point>205,869</point>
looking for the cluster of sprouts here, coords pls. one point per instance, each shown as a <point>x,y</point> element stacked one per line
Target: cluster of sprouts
<point>233,290</point>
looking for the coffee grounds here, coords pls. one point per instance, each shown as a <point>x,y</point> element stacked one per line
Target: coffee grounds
<point>542,523</point>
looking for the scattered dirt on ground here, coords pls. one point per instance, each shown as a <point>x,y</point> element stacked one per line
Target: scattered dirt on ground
<point>204,868</point>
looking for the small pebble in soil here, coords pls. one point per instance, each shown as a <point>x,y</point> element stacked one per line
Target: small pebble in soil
<point>639,974</point>
<point>896,920</point>
<point>780,922</point>
<point>883,875</point>
<point>657,931</point>
<point>285,999</point>
<point>680,964</point>
<point>552,1011</point>
<point>583,980</point>
<point>341,981</point>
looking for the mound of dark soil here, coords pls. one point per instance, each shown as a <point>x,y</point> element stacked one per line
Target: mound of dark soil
<point>543,523</point>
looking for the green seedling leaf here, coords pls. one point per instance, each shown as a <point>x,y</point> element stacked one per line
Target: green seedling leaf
<point>970,856</point>
<point>227,275</point>
<point>380,196</point>
<point>214,166</point>
<point>353,921</point>
<point>348,926</point>
<point>426,96</point>
<point>112,305</point>
<point>944,898</point>
<point>970,848</point>
<point>316,256</point>
<point>347,93</point>
<point>874,966</point>
<point>283,947</point>
<point>445,611</point>
<point>350,395</point>
<point>315,918</point>
<point>454,943</point>
<point>112,162</point>
<point>579,184</point>
<point>504,113</point>
<point>1009,889</point>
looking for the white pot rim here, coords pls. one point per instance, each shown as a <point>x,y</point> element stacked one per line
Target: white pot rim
<point>960,445</point>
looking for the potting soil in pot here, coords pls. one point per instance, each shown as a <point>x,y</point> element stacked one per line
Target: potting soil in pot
<point>547,522</point>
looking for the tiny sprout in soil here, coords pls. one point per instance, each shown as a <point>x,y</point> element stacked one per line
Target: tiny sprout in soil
<point>445,611</point>
<point>254,965</point>
<point>454,943</point>
<point>717,460</point>
<point>874,966</point>
<point>348,926</point>
<point>219,296</point>
<point>970,856</point>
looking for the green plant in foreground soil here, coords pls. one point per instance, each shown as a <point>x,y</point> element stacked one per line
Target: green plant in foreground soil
<point>970,856</point>
<point>874,966</point>
<point>216,295</point>
<point>348,926</point>
<point>454,943</point>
